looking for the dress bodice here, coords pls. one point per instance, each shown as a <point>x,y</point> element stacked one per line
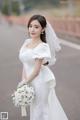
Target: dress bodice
<point>28,55</point>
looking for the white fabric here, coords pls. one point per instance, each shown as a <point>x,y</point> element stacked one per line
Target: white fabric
<point>53,42</point>
<point>46,105</point>
<point>23,111</point>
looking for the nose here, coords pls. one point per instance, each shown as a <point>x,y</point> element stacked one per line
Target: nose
<point>32,29</point>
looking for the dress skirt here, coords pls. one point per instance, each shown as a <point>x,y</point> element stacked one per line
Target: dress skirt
<point>46,105</point>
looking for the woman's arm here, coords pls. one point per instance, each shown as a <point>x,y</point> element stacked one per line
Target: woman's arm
<point>36,70</point>
<point>24,76</point>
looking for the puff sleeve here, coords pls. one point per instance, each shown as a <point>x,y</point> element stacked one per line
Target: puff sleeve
<point>42,51</point>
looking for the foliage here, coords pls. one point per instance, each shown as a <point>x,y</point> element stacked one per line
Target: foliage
<point>5,7</point>
<point>10,7</point>
<point>15,8</point>
<point>34,3</point>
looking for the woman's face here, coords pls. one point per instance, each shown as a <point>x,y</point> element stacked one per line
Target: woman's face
<point>35,29</point>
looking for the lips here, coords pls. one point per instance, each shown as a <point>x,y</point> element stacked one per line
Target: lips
<point>32,33</point>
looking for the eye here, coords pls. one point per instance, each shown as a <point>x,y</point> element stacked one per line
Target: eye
<point>36,27</point>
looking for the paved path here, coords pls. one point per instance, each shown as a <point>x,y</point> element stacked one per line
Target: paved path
<point>66,70</point>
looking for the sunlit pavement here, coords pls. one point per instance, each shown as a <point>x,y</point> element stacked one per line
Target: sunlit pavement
<point>66,71</point>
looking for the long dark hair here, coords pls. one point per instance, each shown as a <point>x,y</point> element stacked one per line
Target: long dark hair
<point>41,19</point>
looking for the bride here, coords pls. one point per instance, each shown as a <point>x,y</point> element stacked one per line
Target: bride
<point>36,54</point>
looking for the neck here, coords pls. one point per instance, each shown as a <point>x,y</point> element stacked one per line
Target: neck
<point>36,39</point>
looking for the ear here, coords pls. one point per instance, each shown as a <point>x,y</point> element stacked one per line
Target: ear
<point>43,30</point>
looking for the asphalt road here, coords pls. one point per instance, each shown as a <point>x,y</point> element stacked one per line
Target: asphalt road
<point>66,71</point>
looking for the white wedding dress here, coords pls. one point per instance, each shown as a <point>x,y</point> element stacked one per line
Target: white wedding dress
<point>46,105</point>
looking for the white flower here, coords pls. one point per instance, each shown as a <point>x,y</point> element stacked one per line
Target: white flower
<point>23,95</point>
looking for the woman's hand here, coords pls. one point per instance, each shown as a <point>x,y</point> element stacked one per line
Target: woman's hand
<point>23,82</point>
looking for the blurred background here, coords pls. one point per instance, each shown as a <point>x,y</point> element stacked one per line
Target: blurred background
<point>64,16</point>
<point>64,13</point>
<point>58,8</point>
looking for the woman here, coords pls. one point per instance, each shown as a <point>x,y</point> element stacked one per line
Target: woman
<point>35,55</point>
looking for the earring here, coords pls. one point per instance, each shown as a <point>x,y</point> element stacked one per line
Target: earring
<point>42,32</point>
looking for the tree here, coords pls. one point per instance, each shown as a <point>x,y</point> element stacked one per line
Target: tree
<point>33,3</point>
<point>55,2</point>
<point>15,7</point>
<point>10,7</point>
<point>5,7</point>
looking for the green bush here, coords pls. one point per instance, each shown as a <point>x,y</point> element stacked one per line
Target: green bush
<point>5,8</point>
<point>15,8</point>
<point>11,7</point>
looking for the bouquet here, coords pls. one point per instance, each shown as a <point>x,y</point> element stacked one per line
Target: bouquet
<point>23,97</point>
